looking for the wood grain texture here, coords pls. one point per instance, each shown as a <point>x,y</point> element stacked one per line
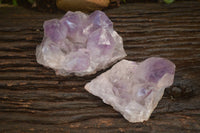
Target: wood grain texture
<point>34,99</point>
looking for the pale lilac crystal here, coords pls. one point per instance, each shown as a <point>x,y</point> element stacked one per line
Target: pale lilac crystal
<point>55,30</point>
<point>97,20</point>
<point>134,89</point>
<point>79,43</point>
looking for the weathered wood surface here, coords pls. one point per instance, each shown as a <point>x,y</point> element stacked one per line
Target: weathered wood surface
<point>34,99</point>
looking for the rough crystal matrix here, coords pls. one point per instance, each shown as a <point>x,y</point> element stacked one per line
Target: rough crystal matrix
<point>79,43</point>
<point>134,89</point>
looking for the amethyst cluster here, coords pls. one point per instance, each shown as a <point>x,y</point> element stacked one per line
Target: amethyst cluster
<point>80,44</point>
<point>83,44</point>
<point>134,89</point>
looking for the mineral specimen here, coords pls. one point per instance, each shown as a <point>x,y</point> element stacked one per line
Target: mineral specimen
<point>82,5</point>
<point>134,89</point>
<point>80,44</point>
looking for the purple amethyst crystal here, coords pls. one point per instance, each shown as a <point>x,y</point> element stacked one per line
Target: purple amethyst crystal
<point>80,44</point>
<point>134,89</point>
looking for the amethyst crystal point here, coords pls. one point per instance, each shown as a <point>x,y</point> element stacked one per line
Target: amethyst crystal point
<point>134,89</point>
<point>54,30</point>
<point>80,44</point>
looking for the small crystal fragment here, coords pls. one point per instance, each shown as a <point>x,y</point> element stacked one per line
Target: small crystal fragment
<point>134,89</point>
<point>80,44</point>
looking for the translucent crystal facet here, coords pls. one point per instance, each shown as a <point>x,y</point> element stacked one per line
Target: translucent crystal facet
<point>134,89</point>
<point>79,43</point>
